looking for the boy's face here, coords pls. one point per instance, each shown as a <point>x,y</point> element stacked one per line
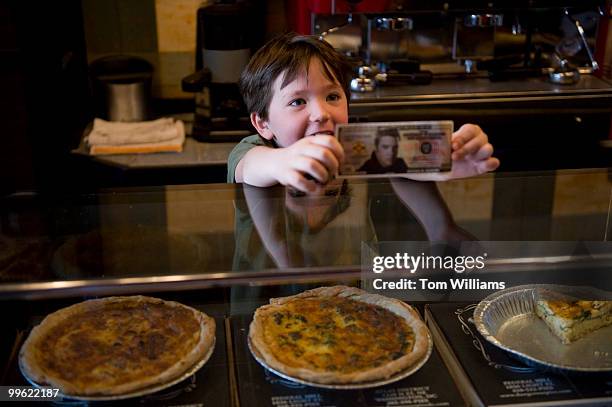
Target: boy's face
<point>307,106</point>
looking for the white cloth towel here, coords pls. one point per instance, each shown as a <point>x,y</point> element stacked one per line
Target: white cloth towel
<point>161,135</point>
<point>119,133</point>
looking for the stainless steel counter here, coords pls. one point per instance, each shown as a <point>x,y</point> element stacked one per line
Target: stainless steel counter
<point>194,154</point>
<point>481,89</point>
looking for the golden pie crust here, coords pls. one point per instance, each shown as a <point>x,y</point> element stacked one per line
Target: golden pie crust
<point>116,345</point>
<point>338,335</point>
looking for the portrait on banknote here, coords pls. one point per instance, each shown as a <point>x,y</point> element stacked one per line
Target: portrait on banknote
<point>395,148</point>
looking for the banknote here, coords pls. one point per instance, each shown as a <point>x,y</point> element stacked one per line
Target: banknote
<point>395,148</point>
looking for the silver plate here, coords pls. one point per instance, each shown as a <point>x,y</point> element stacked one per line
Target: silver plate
<point>507,319</point>
<point>138,393</point>
<point>350,386</point>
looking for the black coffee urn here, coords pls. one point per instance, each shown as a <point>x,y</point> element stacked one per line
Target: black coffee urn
<point>227,33</point>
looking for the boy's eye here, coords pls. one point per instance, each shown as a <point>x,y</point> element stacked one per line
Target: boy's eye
<point>297,102</point>
<point>333,97</point>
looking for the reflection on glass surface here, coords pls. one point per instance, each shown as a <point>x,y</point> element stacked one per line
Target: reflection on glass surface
<point>203,230</point>
<point>327,228</point>
<point>119,250</point>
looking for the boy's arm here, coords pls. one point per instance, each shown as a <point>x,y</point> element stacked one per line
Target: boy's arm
<point>239,151</point>
<point>304,165</point>
<point>423,199</point>
<point>255,165</point>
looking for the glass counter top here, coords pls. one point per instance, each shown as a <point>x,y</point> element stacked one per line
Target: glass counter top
<point>196,236</point>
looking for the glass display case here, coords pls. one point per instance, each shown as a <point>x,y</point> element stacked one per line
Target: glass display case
<point>227,249</point>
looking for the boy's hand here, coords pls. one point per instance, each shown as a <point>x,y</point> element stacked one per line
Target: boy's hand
<point>472,152</point>
<point>309,162</point>
<point>472,155</point>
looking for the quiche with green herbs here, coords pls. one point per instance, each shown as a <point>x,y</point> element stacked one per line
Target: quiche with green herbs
<point>338,335</point>
<point>572,320</point>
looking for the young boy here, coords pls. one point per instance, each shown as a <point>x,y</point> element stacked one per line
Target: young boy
<point>297,87</point>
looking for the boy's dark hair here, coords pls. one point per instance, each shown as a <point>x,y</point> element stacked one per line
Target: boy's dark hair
<point>289,53</point>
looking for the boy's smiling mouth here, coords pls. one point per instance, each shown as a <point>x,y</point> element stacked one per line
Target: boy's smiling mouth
<point>322,132</point>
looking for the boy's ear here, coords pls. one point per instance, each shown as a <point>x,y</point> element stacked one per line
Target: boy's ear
<point>261,126</point>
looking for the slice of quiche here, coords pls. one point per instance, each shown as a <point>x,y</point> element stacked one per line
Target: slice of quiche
<point>571,320</point>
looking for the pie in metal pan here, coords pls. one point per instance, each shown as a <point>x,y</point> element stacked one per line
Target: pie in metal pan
<point>339,337</point>
<point>512,320</point>
<point>117,347</point>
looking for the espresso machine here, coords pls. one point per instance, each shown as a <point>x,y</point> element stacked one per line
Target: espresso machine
<point>227,34</point>
<point>414,42</point>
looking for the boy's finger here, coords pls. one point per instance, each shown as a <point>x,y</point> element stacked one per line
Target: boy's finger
<point>296,180</point>
<point>330,142</point>
<point>488,165</point>
<point>465,133</point>
<point>324,156</point>
<point>483,153</point>
<point>470,147</point>
<point>313,168</point>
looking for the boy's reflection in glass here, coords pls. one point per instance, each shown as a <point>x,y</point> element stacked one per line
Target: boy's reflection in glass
<point>296,230</point>
<point>312,212</point>
<point>279,228</point>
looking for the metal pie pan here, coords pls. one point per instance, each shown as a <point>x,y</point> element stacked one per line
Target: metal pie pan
<point>507,320</point>
<point>402,374</point>
<point>138,393</point>
<point>348,386</point>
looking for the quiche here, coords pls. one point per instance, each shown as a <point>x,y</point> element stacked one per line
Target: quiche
<point>572,320</point>
<point>338,335</point>
<point>116,345</point>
